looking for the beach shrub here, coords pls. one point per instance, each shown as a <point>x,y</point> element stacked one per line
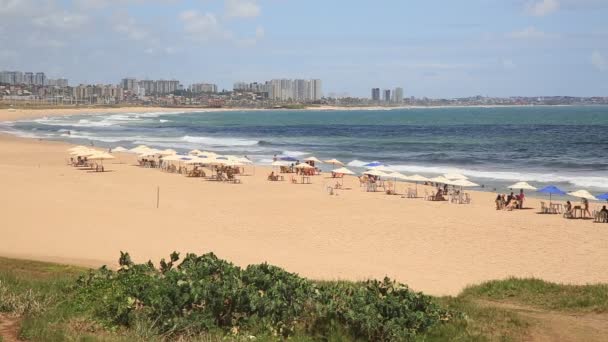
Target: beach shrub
<point>208,294</point>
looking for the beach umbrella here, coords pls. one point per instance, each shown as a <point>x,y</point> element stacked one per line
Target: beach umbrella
<point>464,183</point>
<point>175,157</point>
<point>343,171</point>
<point>195,152</point>
<point>101,156</point>
<point>372,164</point>
<point>582,194</point>
<point>551,190</point>
<point>382,168</point>
<point>522,186</point>
<point>288,158</point>
<point>417,178</point>
<point>441,180</point>
<point>140,149</point>
<point>119,149</point>
<point>334,162</point>
<point>455,176</point>
<point>195,160</point>
<point>312,159</point>
<point>373,172</point>
<point>244,160</point>
<point>303,166</point>
<point>167,152</point>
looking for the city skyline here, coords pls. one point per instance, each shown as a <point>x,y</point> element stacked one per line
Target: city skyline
<point>433,49</point>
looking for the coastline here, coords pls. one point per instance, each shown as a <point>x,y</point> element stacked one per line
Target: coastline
<point>7,114</point>
<point>85,218</point>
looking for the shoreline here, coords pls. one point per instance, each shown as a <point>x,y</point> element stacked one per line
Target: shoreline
<point>14,114</point>
<point>87,218</point>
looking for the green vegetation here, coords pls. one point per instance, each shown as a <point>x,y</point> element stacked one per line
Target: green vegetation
<point>543,294</point>
<point>204,298</point>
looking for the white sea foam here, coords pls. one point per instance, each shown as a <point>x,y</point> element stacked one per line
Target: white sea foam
<point>219,141</point>
<point>589,180</point>
<point>294,153</point>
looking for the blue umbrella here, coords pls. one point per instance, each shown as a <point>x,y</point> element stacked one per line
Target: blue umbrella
<point>603,197</point>
<point>291,159</point>
<point>552,190</point>
<point>373,164</point>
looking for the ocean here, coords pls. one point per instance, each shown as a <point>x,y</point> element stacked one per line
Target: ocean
<point>564,146</point>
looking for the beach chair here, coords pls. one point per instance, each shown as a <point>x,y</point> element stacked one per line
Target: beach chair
<point>544,209</point>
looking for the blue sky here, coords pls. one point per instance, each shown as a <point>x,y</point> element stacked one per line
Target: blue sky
<point>430,48</point>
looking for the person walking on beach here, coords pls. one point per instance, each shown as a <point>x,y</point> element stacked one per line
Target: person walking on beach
<point>586,208</point>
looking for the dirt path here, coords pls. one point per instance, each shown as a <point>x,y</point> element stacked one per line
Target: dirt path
<point>552,326</point>
<point>9,328</point>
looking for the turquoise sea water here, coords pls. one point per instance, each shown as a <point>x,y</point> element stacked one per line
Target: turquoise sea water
<point>566,146</point>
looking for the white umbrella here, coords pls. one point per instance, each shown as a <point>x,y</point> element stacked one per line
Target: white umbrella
<point>582,194</point>
<point>101,156</point>
<point>195,160</point>
<point>374,172</point>
<point>334,162</point>
<point>119,149</point>
<point>441,180</point>
<point>195,152</point>
<point>343,171</point>
<point>312,159</point>
<point>303,166</point>
<point>382,168</point>
<point>465,183</point>
<point>167,152</point>
<point>455,176</point>
<point>418,178</point>
<point>522,185</point>
<point>175,157</point>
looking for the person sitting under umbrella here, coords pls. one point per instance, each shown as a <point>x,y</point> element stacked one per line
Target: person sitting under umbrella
<point>603,215</point>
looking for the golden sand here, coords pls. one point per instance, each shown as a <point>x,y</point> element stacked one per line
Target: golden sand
<point>51,211</point>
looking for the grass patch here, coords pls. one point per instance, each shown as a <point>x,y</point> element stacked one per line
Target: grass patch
<point>45,296</point>
<point>542,294</point>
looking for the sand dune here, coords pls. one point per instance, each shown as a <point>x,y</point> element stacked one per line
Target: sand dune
<point>51,211</point>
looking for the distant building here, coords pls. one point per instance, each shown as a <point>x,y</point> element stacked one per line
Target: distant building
<point>398,95</point>
<point>387,95</point>
<point>40,79</point>
<point>128,83</point>
<point>285,89</point>
<point>203,88</point>
<point>159,87</point>
<point>28,78</point>
<point>375,94</point>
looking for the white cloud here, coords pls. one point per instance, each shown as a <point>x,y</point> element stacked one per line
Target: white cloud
<point>127,26</point>
<point>61,20</point>
<point>242,8</point>
<point>599,61</point>
<point>542,7</point>
<point>203,26</point>
<point>530,33</point>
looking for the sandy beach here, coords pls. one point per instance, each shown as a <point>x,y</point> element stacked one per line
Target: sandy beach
<point>51,211</point>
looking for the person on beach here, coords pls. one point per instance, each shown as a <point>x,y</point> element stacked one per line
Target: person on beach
<point>498,202</point>
<point>274,158</point>
<point>509,198</point>
<point>586,207</point>
<point>604,215</point>
<point>568,209</point>
<point>521,198</point>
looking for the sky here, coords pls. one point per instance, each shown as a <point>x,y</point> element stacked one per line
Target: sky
<point>430,48</point>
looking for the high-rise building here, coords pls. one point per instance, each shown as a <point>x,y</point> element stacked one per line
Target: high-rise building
<point>317,89</point>
<point>159,87</point>
<point>387,95</point>
<point>40,79</point>
<point>398,95</point>
<point>203,88</point>
<point>128,83</point>
<point>28,78</point>
<point>375,94</point>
